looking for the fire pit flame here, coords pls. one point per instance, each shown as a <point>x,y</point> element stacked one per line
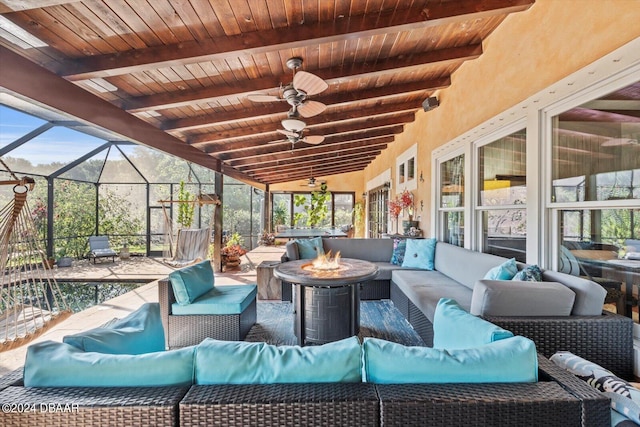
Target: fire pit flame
<point>325,262</point>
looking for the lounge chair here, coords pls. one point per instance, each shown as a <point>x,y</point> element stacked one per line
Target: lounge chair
<point>99,247</point>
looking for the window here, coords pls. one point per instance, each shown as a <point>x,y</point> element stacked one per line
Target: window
<point>406,169</point>
<point>595,188</point>
<point>452,201</point>
<point>285,213</point>
<point>502,196</point>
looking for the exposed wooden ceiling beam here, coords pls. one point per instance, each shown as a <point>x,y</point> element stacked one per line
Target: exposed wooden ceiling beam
<point>325,171</point>
<point>280,147</point>
<point>308,151</point>
<point>329,125</point>
<point>281,108</point>
<point>311,157</point>
<point>25,78</point>
<point>312,160</point>
<point>298,36</point>
<point>266,173</point>
<point>359,71</point>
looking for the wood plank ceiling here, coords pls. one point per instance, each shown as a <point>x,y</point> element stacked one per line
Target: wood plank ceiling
<point>187,67</point>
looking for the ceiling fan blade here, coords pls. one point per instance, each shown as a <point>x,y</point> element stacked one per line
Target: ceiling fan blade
<point>614,142</point>
<point>311,108</point>
<point>313,139</point>
<point>309,83</point>
<point>263,98</point>
<point>288,133</point>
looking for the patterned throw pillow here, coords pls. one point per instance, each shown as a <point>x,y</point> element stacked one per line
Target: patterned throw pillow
<point>530,273</point>
<point>399,247</point>
<point>625,398</point>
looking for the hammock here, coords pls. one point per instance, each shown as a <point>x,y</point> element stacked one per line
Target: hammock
<point>191,245</point>
<point>30,299</point>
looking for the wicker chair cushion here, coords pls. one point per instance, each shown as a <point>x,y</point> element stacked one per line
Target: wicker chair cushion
<point>232,299</point>
<point>310,248</point>
<point>625,398</point>
<point>55,364</point>
<point>237,362</point>
<point>191,282</point>
<point>139,332</point>
<point>420,253</point>
<point>454,328</point>
<point>504,271</point>
<point>511,360</point>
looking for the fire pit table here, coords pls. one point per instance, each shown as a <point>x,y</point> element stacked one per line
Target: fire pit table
<point>327,300</point>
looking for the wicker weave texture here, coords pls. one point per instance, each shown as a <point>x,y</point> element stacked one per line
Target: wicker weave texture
<point>185,330</point>
<point>91,406</point>
<point>400,300</point>
<point>374,290</point>
<point>606,340</point>
<point>344,404</point>
<point>536,404</point>
<point>596,410</point>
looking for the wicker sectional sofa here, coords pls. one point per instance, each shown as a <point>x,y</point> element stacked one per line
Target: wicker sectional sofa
<point>557,399</point>
<point>602,337</point>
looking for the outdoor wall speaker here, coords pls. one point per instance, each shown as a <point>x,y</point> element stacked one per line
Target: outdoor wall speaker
<point>430,103</point>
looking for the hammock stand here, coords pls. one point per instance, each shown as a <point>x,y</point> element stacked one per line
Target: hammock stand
<point>30,300</point>
<point>190,245</point>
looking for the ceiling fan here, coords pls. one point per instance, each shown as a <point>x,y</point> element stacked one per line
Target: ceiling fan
<point>304,84</point>
<point>312,183</point>
<point>298,136</point>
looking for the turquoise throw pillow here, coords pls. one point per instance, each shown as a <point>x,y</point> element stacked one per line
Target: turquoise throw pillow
<point>310,248</point>
<point>191,282</point>
<point>420,253</point>
<point>511,360</point>
<point>504,271</point>
<point>399,248</point>
<point>237,362</point>
<point>454,328</point>
<point>138,333</point>
<point>55,364</point>
<point>530,273</point>
<point>625,398</point>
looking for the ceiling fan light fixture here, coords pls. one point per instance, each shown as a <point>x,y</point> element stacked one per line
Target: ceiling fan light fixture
<point>293,125</point>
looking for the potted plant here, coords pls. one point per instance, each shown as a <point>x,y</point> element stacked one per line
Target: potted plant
<point>316,210</point>
<point>63,259</point>
<point>233,250</point>
<point>124,252</point>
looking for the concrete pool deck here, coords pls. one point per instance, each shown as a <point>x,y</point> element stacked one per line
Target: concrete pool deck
<point>135,269</point>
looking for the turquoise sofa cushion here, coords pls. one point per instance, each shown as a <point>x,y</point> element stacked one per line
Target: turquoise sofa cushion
<point>454,328</point>
<point>420,253</point>
<point>55,364</point>
<point>191,282</point>
<point>231,299</point>
<point>310,248</point>
<point>504,271</point>
<point>139,332</point>
<point>530,273</point>
<point>511,360</point>
<point>235,362</point>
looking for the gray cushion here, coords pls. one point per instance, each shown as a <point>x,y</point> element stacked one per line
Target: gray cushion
<point>425,288</point>
<point>589,295</point>
<point>463,265</point>
<point>521,298</point>
<point>374,250</point>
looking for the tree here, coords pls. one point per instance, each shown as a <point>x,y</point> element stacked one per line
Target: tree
<point>317,208</point>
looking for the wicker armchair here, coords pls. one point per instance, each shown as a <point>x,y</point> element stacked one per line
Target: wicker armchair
<point>184,330</point>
